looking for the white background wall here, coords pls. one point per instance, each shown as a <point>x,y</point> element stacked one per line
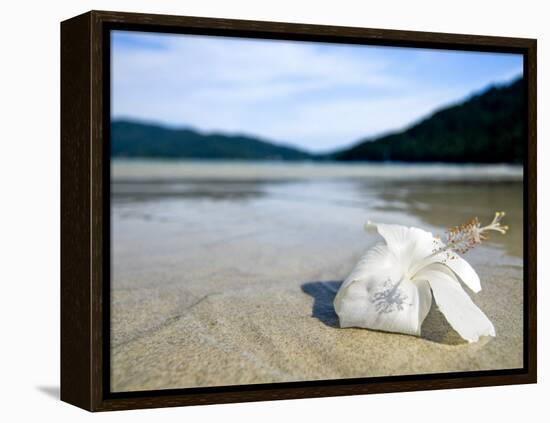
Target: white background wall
<point>29,177</point>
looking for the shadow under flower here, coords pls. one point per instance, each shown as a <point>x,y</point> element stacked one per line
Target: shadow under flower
<point>323,293</point>
<point>435,327</point>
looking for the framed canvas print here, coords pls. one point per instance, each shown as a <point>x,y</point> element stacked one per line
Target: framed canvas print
<point>258,210</point>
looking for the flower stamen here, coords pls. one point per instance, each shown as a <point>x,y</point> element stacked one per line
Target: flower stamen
<point>464,237</point>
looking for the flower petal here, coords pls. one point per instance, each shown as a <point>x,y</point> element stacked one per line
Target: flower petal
<point>373,297</point>
<point>464,271</point>
<point>410,245</point>
<point>376,259</point>
<point>455,304</point>
<point>457,264</point>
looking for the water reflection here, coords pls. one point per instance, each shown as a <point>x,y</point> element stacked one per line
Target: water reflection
<point>130,191</point>
<point>436,203</point>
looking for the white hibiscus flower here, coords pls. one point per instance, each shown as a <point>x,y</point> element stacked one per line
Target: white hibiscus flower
<point>391,287</point>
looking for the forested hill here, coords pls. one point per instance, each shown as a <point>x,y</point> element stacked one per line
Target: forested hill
<point>139,140</point>
<point>486,128</point>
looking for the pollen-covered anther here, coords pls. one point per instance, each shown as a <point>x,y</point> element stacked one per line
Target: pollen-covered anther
<point>466,236</point>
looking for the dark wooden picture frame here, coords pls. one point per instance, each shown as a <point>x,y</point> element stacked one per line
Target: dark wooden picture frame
<point>85,184</point>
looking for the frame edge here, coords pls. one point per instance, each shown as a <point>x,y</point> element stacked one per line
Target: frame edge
<point>76,301</point>
<point>531,207</point>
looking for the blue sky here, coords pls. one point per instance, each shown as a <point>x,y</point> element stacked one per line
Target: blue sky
<point>316,96</point>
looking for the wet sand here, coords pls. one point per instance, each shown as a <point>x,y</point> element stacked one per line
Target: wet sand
<point>225,280</point>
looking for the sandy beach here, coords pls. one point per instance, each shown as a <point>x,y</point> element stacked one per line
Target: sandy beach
<point>226,275</point>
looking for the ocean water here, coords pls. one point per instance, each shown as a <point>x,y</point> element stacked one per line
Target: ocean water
<point>433,196</point>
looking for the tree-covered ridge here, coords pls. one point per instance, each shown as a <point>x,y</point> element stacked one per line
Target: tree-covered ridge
<point>135,140</point>
<point>487,128</point>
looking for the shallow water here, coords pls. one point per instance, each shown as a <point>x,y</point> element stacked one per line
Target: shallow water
<point>431,196</point>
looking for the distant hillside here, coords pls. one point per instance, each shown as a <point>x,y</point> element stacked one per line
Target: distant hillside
<point>487,128</point>
<point>133,139</point>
